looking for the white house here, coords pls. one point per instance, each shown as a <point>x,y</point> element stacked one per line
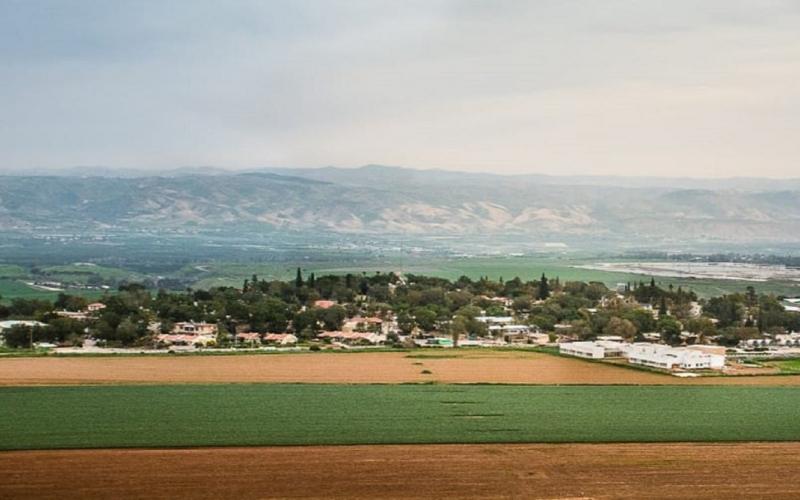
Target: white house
<point>495,320</point>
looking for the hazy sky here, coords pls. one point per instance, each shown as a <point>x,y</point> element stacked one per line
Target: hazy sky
<point>702,88</point>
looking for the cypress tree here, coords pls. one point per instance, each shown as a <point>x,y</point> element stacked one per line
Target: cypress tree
<point>662,308</point>
<point>298,280</point>
<point>544,288</point>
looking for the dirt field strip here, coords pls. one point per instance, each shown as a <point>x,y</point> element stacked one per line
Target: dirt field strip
<point>750,470</point>
<point>511,367</point>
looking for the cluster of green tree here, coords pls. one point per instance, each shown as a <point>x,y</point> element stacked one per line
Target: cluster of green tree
<point>421,304</point>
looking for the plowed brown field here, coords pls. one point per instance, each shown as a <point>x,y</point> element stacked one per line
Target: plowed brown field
<point>698,471</point>
<point>512,367</point>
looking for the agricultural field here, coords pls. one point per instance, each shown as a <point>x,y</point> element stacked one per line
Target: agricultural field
<point>525,267</point>
<point>311,414</point>
<point>374,425</point>
<point>455,366</point>
<point>626,471</point>
<point>206,274</point>
<point>11,289</point>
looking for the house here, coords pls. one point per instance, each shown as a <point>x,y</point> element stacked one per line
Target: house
<point>359,324</point>
<point>495,320</point>
<point>526,337</point>
<point>353,337</point>
<point>95,306</point>
<point>192,328</point>
<point>76,315</point>
<point>324,304</point>
<point>248,338</point>
<point>280,339</point>
<point>171,339</point>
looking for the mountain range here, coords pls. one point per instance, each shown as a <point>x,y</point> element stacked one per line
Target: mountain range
<point>392,200</point>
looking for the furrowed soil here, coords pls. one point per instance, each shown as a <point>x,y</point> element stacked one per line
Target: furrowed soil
<point>699,471</point>
<point>509,367</point>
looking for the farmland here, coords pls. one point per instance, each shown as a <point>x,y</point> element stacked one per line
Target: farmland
<point>460,366</point>
<point>286,414</point>
<point>495,267</point>
<point>205,274</point>
<point>629,471</point>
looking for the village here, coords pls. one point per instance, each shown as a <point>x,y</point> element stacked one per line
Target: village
<point>639,325</point>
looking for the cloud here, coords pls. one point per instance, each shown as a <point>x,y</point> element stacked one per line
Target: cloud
<point>618,87</point>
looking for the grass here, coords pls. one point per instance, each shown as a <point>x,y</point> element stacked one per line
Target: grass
<point>74,273</point>
<point>290,414</point>
<point>789,366</point>
<point>12,289</point>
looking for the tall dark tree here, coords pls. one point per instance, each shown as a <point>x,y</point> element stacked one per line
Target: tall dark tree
<point>652,282</point>
<point>298,280</point>
<point>544,288</point>
<point>312,280</point>
<point>662,307</point>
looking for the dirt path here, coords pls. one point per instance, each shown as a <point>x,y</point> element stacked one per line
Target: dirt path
<point>512,367</point>
<point>699,471</point>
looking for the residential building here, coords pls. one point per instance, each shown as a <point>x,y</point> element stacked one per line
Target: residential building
<point>192,328</point>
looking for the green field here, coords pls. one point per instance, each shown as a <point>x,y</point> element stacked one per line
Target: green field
<point>527,268</point>
<point>222,273</point>
<point>11,289</point>
<point>288,414</point>
<point>786,365</point>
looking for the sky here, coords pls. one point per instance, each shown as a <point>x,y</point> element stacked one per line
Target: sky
<point>653,88</point>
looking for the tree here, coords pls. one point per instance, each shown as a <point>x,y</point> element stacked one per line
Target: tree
<point>298,280</point>
<point>544,288</point>
<point>312,281</point>
<point>701,326</point>
<point>425,318</point>
<point>457,328</point>
<point>405,322</point>
<point>662,307</point>
<point>305,323</point>
<point>670,330</point>
<point>126,331</point>
<point>332,317</point>
<point>620,327</point>
<point>19,336</point>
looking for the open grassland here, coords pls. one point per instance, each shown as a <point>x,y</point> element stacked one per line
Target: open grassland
<point>628,471</point>
<point>445,366</point>
<point>286,414</point>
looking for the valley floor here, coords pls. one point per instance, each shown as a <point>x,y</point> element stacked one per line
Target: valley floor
<point>632,471</point>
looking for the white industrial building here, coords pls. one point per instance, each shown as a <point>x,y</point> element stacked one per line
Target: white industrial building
<point>647,354</point>
<point>592,350</point>
<point>669,358</point>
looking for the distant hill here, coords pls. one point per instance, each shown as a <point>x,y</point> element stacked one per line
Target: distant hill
<point>390,200</point>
